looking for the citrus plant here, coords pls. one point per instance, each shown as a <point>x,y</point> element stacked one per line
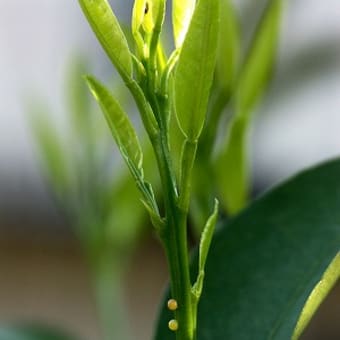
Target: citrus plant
<point>176,91</point>
<point>263,273</point>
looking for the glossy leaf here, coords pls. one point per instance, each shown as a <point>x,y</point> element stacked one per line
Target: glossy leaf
<point>263,266</point>
<point>196,64</point>
<point>260,60</point>
<point>182,11</point>
<point>228,47</point>
<point>119,123</point>
<point>108,31</point>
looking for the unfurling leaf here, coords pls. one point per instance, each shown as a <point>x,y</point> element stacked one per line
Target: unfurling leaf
<point>108,31</point>
<point>205,243</point>
<point>120,125</point>
<point>182,11</point>
<point>196,64</point>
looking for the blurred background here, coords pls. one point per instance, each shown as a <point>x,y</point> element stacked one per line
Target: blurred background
<point>44,276</point>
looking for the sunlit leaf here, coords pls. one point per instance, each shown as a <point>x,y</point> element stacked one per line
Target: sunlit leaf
<point>108,31</point>
<point>196,64</point>
<point>182,11</point>
<point>120,124</point>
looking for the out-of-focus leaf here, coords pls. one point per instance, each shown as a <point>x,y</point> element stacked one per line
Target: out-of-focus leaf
<point>196,64</point>
<point>32,333</point>
<point>232,169</point>
<point>229,47</point>
<point>51,151</point>
<point>120,124</point>
<point>260,59</point>
<point>182,11</point>
<point>264,265</point>
<point>108,31</point>
<point>78,97</point>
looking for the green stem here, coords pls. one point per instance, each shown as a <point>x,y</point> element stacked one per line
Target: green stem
<point>174,240</point>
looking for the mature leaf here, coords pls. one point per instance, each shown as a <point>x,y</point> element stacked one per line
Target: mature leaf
<point>182,11</point>
<point>260,59</point>
<point>232,170</point>
<point>196,64</point>
<point>120,124</point>
<point>228,47</point>
<point>108,31</point>
<point>263,266</point>
<point>31,333</point>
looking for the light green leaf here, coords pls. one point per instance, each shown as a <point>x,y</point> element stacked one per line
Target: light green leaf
<point>232,165</point>
<point>120,125</point>
<point>196,64</point>
<point>264,265</point>
<point>51,151</point>
<point>260,60</point>
<point>204,247</point>
<point>108,31</point>
<point>232,168</point>
<point>182,11</point>
<point>228,47</point>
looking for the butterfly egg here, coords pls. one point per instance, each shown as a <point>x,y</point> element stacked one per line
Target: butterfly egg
<point>173,325</point>
<point>172,304</point>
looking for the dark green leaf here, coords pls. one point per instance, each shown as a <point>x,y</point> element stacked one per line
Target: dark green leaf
<point>108,31</point>
<point>196,64</point>
<point>263,266</point>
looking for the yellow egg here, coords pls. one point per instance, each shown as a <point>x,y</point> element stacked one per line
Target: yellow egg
<point>173,325</point>
<point>172,304</point>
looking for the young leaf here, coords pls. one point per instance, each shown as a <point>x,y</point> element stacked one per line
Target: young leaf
<point>108,31</point>
<point>260,60</point>
<point>204,247</point>
<point>265,264</point>
<point>182,11</point>
<point>228,47</point>
<point>196,64</point>
<point>119,123</point>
